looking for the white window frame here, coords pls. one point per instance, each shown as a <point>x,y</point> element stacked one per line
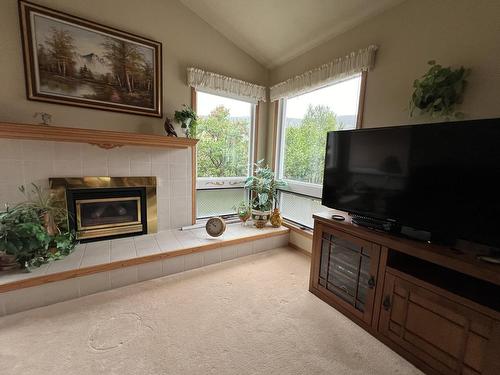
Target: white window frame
<point>306,189</point>
<point>221,183</point>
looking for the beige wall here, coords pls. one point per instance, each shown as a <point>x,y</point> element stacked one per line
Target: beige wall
<point>187,41</point>
<point>453,32</point>
<point>302,242</point>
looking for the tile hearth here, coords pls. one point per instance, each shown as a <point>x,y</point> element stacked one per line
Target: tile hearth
<point>98,266</point>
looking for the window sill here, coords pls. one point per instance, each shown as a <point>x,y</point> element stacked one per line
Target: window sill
<point>297,229</point>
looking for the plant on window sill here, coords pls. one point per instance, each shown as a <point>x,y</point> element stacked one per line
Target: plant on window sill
<point>263,186</point>
<point>438,91</point>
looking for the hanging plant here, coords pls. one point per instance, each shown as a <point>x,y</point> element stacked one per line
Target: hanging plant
<point>439,91</point>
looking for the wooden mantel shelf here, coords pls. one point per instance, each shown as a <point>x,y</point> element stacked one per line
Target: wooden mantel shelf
<point>102,138</point>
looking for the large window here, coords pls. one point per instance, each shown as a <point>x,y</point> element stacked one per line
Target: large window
<point>224,152</point>
<point>304,121</point>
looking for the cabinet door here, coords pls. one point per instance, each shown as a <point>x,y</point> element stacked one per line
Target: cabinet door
<point>346,271</point>
<point>448,336</point>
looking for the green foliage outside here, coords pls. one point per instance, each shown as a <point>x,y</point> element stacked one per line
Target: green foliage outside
<point>305,145</point>
<point>223,148</point>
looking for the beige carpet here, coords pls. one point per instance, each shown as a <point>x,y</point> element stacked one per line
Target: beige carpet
<point>252,315</point>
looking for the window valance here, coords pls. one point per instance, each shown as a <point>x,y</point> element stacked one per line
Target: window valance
<point>219,84</point>
<point>355,62</point>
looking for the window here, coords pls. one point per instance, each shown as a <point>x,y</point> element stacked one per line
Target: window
<point>304,121</point>
<point>224,153</point>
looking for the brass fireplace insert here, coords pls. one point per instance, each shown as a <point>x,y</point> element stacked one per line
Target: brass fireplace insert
<point>102,207</point>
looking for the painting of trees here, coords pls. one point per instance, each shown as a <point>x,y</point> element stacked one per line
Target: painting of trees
<point>60,52</point>
<point>305,144</point>
<point>74,61</point>
<point>125,62</point>
<point>223,147</point>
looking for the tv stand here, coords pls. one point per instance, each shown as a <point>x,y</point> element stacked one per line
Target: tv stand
<point>438,308</point>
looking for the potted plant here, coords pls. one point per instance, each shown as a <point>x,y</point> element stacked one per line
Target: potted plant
<point>34,232</point>
<point>187,118</point>
<point>439,90</point>
<point>244,211</point>
<point>49,206</point>
<point>263,187</point>
<point>23,235</point>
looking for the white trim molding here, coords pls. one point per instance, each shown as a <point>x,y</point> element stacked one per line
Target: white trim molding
<point>208,183</point>
<point>223,85</point>
<point>340,68</point>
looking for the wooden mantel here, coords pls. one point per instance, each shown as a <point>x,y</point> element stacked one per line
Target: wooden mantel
<point>102,138</point>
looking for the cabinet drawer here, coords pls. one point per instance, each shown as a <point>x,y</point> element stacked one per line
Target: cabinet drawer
<point>450,337</point>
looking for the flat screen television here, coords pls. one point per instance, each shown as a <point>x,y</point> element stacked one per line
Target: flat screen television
<point>440,178</point>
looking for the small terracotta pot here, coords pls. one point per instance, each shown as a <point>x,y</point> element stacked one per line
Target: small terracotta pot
<point>50,225</point>
<point>7,262</point>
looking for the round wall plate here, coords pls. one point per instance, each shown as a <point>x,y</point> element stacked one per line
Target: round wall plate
<point>215,226</point>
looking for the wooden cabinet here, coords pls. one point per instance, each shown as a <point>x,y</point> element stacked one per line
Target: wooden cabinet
<point>447,335</point>
<point>437,308</point>
<point>347,268</point>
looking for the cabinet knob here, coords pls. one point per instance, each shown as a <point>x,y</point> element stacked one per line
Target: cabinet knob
<point>387,303</point>
<point>371,282</point>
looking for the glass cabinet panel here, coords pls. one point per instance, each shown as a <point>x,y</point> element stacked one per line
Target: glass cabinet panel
<point>345,270</point>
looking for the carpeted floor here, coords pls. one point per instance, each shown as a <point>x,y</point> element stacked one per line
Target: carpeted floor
<point>252,315</point>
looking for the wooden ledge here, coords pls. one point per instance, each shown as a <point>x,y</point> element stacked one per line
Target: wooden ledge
<point>44,279</point>
<point>297,229</point>
<point>102,138</point>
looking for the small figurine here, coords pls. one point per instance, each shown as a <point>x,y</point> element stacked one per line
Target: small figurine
<point>46,117</point>
<point>276,219</point>
<point>169,128</point>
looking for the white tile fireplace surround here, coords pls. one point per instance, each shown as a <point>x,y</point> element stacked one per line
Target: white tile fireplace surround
<point>23,162</point>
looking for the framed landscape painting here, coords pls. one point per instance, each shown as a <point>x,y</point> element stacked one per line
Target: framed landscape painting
<point>69,60</point>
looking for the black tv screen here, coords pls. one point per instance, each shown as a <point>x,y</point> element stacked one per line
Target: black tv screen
<point>441,178</point>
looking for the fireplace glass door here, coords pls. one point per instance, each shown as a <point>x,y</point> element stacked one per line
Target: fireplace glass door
<point>108,216</point>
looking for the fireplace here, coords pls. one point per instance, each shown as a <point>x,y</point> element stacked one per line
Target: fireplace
<point>108,207</point>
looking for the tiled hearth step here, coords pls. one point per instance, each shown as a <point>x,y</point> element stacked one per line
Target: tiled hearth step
<point>99,266</point>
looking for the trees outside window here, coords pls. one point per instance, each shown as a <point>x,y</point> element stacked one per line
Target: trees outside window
<point>305,121</point>
<point>224,152</point>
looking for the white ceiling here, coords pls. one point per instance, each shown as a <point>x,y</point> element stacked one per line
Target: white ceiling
<point>275,31</point>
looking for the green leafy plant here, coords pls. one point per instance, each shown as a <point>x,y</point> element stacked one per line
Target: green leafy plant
<point>23,234</point>
<point>48,205</point>
<point>30,231</point>
<point>439,90</point>
<point>187,118</point>
<point>263,186</point>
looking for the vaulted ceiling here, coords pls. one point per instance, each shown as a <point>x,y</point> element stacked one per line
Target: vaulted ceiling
<point>275,31</point>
